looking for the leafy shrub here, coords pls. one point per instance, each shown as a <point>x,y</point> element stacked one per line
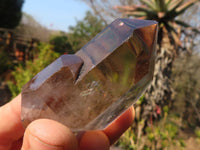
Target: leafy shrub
<point>84,31</point>
<point>61,44</point>
<point>161,135</point>
<point>23,73</point>
<point>197,132</point>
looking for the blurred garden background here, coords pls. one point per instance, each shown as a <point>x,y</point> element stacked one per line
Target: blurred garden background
<point>168,114</point>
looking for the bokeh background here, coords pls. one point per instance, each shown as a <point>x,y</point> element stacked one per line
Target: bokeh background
<point>33,33</point>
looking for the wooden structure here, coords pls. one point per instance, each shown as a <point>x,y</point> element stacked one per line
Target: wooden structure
<point>18,47</point>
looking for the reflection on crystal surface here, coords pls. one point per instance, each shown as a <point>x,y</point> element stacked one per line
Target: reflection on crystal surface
<point>99,82</point>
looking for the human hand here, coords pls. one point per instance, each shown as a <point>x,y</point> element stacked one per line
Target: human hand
<point>45,134</point>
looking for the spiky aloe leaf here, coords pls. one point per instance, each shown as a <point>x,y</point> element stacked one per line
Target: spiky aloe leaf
<point>185,6</point>
<point>183,24</point>
<point>144,9</point>
<point>174,4</point>
<point>167,2</point>
<point>169,27</point>
<point>162,6</point>
<point>149,3</point>
<point>176,39</point>
<point>137,14</point>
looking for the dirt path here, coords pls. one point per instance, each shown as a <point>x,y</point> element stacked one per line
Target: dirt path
<point>192,144</point>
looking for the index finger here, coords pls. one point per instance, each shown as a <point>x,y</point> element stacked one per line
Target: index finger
<point>102,139</point>
<point>120,125</point>
<point>11,128</point>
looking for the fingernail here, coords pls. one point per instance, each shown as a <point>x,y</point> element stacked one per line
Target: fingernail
<point>36,144</point>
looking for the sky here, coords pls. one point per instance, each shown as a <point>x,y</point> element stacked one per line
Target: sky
<point>56,14</point>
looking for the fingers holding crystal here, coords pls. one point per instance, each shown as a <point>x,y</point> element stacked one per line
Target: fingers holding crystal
<point>120,125</point>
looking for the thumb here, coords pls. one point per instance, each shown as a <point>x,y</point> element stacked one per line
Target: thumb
<point>44,134</point>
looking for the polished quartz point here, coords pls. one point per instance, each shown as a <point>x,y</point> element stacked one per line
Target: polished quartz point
<point>90,89</point>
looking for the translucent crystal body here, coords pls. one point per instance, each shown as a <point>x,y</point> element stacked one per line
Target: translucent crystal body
<point>88,90</point>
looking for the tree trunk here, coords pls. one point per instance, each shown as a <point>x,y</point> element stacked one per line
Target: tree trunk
<point>159,92</point>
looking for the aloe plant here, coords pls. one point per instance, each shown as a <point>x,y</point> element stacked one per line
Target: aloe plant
<point>166,13</point>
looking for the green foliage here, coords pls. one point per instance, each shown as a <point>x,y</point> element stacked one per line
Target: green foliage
<point>161,135</point>
<point>141,100</point>
<point>84,31</point>
<point>61,44</point>
<point>78,35</point>
<point>10,13</point>
<point>127,141</point>
<point>197,132</point>
<point>166,109</point>
<point>22,74</point>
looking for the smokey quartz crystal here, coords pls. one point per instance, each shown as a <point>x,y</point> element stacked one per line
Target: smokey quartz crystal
<point>88,90</point>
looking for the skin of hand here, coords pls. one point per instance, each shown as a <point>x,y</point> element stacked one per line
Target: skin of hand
<point>45,134</point>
